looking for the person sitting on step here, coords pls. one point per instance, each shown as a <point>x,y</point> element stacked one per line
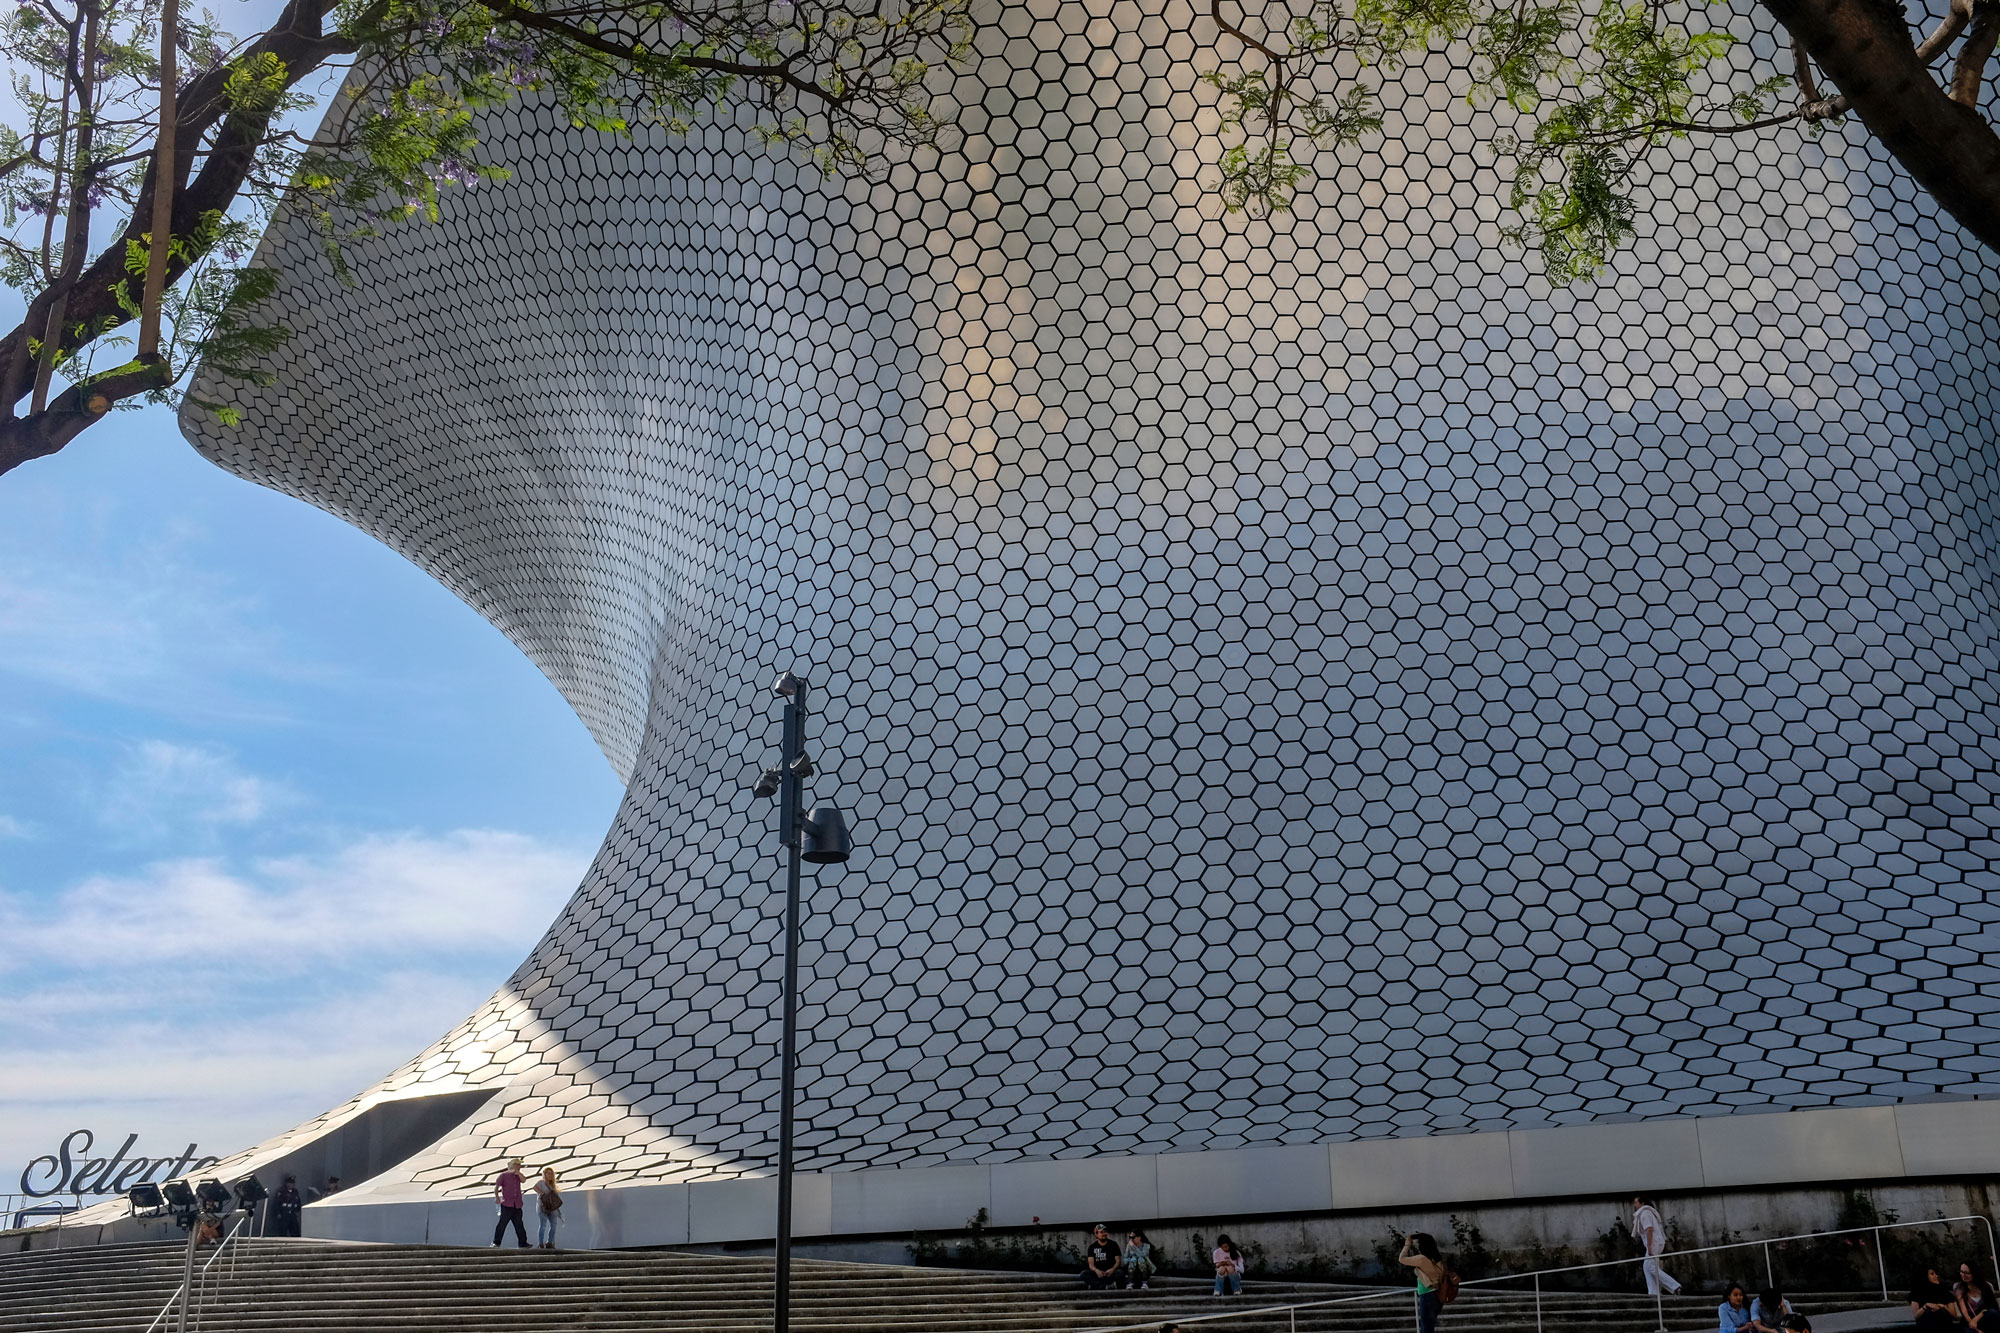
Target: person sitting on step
<point>1101,1259</point>
<point>1139,1265</point>
<point>1228,1273</point>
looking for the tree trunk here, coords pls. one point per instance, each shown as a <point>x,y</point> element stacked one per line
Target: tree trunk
<point>76,236</point>
<point>297,39</point>
<point>1864,46</point>
<point>164,185</point>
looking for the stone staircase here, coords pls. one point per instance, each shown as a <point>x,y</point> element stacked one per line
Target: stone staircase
<point>290,1286</point>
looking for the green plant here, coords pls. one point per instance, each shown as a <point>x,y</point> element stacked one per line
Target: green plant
<point>981,1247</point>
<point>1472,1258</point>
<point>1387,1264</point>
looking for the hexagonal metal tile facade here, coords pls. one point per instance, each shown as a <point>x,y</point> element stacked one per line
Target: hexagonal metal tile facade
<point>1290,681</point>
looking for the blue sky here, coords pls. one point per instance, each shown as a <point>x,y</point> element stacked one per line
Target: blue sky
<point>275,808</point>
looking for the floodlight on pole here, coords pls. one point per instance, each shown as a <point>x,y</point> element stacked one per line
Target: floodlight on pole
<point>826,841</point>
<point>819,836</point>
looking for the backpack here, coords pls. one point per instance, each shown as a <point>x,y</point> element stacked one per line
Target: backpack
<point>1447,1287</point>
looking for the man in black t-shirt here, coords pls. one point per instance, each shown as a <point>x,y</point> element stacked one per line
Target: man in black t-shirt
<point>1100,1258</point>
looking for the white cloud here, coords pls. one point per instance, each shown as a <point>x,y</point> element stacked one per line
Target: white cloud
<point>201,1001</point>
<point>229,1078</point>
<point>11,827</point>
<point>160,787</point>
<point>146,630</point>
<point>388,897</point>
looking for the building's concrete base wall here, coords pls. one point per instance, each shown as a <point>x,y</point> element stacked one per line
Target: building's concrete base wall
<point>1504,1202</point>
<point>1481,1238</point>
<point>1494,1238</point>
<point>1427,1178</point>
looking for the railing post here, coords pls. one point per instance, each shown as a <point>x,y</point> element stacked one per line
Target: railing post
<point>1538,1303</point>
<point>187,1280</point>
<point>1770,1278</point>
<point>1659,1306</point>
<point>1881,1265</point>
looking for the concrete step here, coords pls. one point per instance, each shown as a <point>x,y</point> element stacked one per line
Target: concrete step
<point>284,1286</point>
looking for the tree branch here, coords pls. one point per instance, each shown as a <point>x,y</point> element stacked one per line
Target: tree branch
<point>76,235</point>
<point>1864,46</point>
<point>1978,49</point>
<point>72,412</point>
<point>164,179</point>
<point>93,302</point>
<point>1946,32</point>
<point>1803,76</point>
<point>634,53</point>
<point>1215,17</point>
<point>32,157</point>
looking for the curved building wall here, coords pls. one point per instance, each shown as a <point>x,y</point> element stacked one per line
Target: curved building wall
<point>1292,681</point>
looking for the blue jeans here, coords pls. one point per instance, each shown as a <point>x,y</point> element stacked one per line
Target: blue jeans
<point>546,1233</point>
<point>1229,1284</point>
<point>1429,1306</point>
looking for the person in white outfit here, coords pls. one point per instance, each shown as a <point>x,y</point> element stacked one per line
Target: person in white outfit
<point>1651,1232</point>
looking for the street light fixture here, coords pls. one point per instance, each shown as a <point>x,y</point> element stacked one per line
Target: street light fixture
<point>819,836</point>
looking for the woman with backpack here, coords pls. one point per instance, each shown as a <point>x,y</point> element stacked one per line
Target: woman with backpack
<point>550,1207</point>
<point>1436,1284</point>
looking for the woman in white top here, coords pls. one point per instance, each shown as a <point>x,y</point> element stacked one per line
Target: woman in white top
<point>549,1205</point>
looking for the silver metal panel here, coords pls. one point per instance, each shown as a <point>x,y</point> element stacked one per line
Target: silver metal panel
<point>720,1210</point>
<point>1293,682</point>
<point>935,1198</point>
<point>1381,1173</point>
<point>1289,1179</point>
<point>1951,1139</point>
<point>633,1216</point>
<point>1643,1157</point>
<point>1860,1143</point>
<point>1099,1188</point>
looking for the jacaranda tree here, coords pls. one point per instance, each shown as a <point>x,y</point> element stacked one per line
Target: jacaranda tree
<point>147,147</point>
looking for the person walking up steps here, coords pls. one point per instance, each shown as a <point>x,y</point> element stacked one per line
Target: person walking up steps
<point>1651,1232</point>
<point>507,1193</point>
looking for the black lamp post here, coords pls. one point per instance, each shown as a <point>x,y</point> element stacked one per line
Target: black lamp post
<point>819,835</point>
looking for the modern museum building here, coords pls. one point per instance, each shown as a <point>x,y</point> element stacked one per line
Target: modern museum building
<point>1329,722</point>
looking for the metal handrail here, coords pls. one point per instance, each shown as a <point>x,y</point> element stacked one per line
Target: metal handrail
<point>1145,1326</point>
<point>17,1209</point>
<point>199,1279</point>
